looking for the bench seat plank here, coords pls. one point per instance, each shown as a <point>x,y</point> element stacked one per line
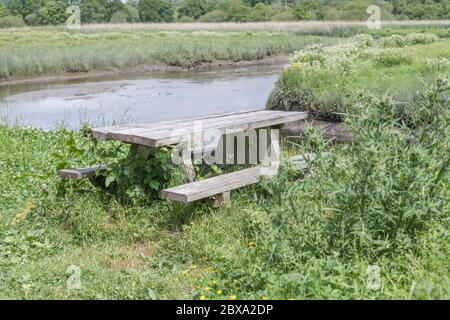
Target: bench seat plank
<point>209,187</point>
<point>81,173</point>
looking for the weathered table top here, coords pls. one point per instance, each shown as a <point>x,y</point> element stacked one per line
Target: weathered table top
<point>169,132</point>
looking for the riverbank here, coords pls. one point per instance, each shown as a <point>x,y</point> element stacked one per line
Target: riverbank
<point>80,51</point>
<point>144,70</point>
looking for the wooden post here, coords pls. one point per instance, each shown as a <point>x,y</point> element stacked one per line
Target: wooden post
<point>221,199</point>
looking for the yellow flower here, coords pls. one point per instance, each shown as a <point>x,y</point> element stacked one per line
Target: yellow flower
<point>264,298</point>
<point>185,272</point>
<point>24,213</point>
<point>207,289</point>
<point>233,297</point>
<point>194,266</point>
<point>219,292</point>
<point>202,297</point>
<point>436,173</point>
<point>251,244</point>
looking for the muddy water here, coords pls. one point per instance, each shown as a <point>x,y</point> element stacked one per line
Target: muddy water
<point>139,99</point>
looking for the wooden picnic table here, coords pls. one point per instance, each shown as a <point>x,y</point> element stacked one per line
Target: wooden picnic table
<point>152,136</point>
<point>163,133</point>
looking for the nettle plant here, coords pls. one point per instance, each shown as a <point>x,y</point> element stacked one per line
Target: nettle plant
<point>134,174</point>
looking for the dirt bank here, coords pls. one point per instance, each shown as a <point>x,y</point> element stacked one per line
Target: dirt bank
<point>141,70</point>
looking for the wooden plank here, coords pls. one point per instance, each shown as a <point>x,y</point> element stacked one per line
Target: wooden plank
<point>163,133</point>
<point>222,184</point>
<point>212,186</point>
<point>81,173</point>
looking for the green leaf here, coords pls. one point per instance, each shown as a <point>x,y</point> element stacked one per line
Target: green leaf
<point>154,184</point>
<point>109,180</point>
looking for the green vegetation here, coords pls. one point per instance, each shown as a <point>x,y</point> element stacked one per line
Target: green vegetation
<point>329,81</point>
<point>41,50</point>
<point>383,201</point>
<point>37,12</point>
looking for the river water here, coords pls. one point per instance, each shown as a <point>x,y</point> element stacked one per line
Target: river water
<point>113,100</point>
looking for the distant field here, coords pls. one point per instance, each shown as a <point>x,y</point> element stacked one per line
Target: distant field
<point>52,50</point>
<point>35,51</point>
<point>272,25</point>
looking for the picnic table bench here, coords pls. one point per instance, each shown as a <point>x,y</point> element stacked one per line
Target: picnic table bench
<point>151,136</point>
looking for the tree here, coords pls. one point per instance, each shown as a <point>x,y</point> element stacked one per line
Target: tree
<point>309,10</point>
<point>53,12</point>
<point>3,11</point>
<point>155,11</point>
<point>92,11</point>
<point>192,8</point>
<point>23,7</point>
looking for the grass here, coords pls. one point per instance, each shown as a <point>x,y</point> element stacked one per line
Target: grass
<point>330,81</point>
<point>48,50</point>
<point>382,201</point>
<point>56,50</point>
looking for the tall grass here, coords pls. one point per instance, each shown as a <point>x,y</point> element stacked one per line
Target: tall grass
<point>330,81</point>
<point>38,51</point>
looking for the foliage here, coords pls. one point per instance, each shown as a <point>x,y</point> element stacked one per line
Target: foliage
<point>382,201</point>
<point>328,81</point>
<point>155,10</point>
<point>92,11</point>
<point>213,16</point>
<point>119,17</point>
<point>192,8</point>
<point>3,10</point>
<point>84,50</point>
<point>11,22</point>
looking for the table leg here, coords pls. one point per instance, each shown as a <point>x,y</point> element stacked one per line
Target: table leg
<point>188,164</point>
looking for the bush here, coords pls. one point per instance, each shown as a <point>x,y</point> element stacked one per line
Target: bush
<point>392,58</point>
<point>328,81</point>
<point>421,38</point>
<point>192,8</point>
<point>11,22</point>
<point>260,12</point>
<point>213,16</point>
<point>119,17</point>
<point>155,11</point>
<point>394,40</point>
<point>3,11</point>
<point>283,15</point>
<point>33,19</point>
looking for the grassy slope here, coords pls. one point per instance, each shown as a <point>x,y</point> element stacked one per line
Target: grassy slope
<point>400,72</point>
<point>38,51</point>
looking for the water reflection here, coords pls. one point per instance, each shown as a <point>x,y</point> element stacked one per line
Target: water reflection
<point>104,101</point>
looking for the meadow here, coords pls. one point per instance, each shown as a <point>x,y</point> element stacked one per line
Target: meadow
<point>329,82</point>
<point>47,51</point>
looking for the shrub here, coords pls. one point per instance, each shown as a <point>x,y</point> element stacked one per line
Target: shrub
<point>3,11</point>
<point>392,58</point>
<point>11,22</point>
<point>33,19</point>
<point>119,17</point>
<point>328,81</point>
<point>421,38</point>
<point>394,40</point>
<point>192,8</point>
<point>155,10</point>
<point>213,16</point>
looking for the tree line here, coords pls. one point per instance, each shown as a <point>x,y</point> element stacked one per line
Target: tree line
<point>54,12</point>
